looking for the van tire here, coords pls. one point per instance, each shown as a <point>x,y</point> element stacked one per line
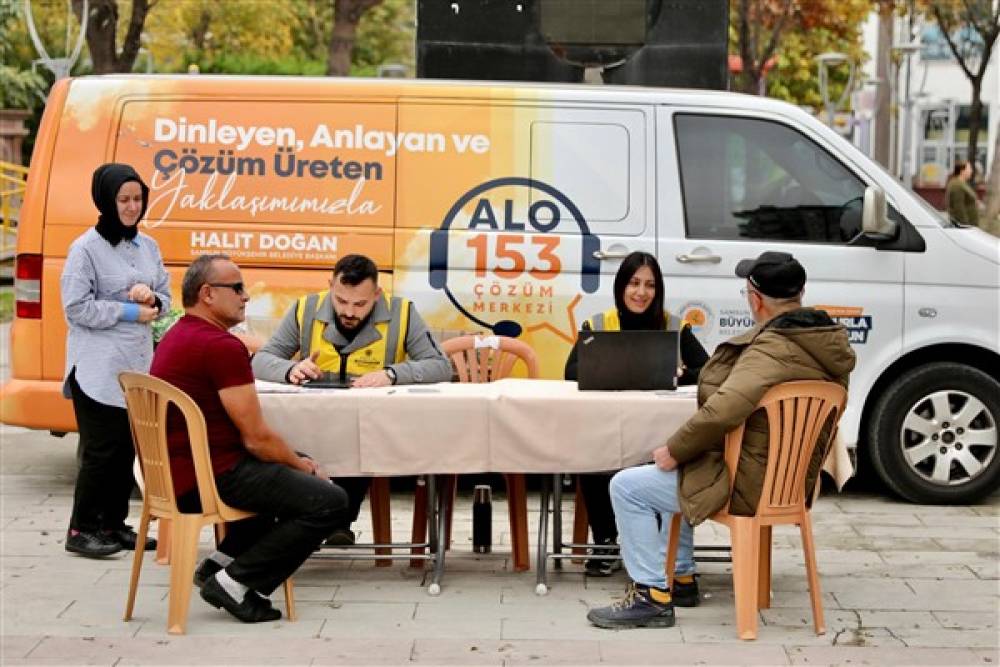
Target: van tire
<point>911,396</point>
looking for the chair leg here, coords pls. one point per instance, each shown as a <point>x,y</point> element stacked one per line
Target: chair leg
<point>220,533</point>
<point>418,532</point>
<point>580,527</point>
<point>815,595</point>
<point>378,499</point>
<point>673,542</point>
<point>764,569</point>
<point>183,553</point>
<point>290,599</point>
<point>517,510</point>
<point>163,542</point>
<point>137,561</point>
<point>746,551</point>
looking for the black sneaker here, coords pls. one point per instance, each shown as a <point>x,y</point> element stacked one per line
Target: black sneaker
<point>205,571</point>
<point>686,595</point>
<point>603,567</point>
<point>253,609</point>
<point>127,537</point>
<point>637,610</point>
<point>340,537</point>
<point>91,544</point>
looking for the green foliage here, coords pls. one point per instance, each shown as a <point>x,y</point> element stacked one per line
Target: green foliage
<point>19,85</point>
<point>249,63</point>
<point>19,89</point>
<point>6,305</point>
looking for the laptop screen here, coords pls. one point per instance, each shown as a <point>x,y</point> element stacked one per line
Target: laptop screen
<point>622,360</point>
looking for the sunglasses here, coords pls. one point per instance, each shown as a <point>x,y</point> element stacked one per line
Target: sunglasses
<point>236,287</point>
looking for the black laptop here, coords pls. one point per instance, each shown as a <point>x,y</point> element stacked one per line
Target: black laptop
<point>619,360</point>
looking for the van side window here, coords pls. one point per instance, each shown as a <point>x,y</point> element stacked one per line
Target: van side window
<point>755,179</point>
<point>588,162</point>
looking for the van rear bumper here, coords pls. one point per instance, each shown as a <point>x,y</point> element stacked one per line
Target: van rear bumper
<point>36,404</point>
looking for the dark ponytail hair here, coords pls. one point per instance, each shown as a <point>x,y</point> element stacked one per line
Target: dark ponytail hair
<point>653,318</point>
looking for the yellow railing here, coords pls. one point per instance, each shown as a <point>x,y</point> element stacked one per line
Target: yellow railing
<point>12,183</point>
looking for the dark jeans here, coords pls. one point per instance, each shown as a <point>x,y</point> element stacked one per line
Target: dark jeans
<point>356,488</point>
<point>104,483</point>
<point>597,498</point>
<point>295,512</point>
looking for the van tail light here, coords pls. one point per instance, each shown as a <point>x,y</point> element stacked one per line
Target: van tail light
<point>28,286</point>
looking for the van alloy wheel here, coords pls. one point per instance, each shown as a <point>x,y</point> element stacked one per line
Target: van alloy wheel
<point>932,433</point>
<point>949,437</point>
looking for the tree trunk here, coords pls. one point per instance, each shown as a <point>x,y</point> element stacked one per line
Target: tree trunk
<point>975,120</point>
<point>883,70</point>
<point>346,16</point>
<point>102,27</point>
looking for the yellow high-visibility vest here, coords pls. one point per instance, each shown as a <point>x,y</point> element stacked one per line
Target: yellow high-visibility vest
<point>609,321</point>
<point>372,357</point>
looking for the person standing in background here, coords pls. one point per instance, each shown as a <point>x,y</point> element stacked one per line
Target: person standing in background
<point>113,286</point>
<point>963,206</point>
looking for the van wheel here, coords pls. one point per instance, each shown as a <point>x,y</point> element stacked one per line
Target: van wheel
<point>933,434</point>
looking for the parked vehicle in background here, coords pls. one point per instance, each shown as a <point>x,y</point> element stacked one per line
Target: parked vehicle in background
<point>504,207</point>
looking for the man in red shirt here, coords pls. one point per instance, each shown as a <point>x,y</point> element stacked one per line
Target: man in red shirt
<point>255,469</point>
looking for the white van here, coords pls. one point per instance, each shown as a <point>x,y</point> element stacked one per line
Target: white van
<point>508,207</point>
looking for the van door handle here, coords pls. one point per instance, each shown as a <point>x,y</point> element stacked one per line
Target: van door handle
<point>691,259</point>
<point>600,254</point>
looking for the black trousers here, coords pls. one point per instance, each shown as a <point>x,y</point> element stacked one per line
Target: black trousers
<point>356,489</point>
<point>104,483</point>
<point>597,498</point>
<point>295,512</point>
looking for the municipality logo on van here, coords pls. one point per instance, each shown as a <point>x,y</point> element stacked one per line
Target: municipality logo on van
<point>854,320</point>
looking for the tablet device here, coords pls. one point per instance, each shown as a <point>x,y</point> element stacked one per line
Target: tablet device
<point>325,384</point>
<point>621,360</point>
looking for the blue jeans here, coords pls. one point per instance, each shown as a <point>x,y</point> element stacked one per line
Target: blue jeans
<point>638,495</point>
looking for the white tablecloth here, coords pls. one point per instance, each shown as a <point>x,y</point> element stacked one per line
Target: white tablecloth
<point>513,425</point>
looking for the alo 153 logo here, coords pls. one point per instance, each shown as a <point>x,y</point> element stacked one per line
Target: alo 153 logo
<point>530,251</point>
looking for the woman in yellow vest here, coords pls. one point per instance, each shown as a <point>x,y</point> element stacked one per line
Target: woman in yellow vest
<point>639,295</point>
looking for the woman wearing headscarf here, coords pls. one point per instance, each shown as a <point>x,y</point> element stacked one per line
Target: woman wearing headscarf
<point>639,296</point>
<point>113,286</point>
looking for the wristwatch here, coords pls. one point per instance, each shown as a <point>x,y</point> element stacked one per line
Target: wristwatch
<point>391,373</point>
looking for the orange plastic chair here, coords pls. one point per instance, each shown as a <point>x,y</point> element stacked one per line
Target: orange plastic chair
<point>796,412</point>
<point>147,399</point>
<point>477,360</point>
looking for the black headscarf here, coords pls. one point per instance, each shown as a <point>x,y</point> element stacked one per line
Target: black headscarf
<point>108,180</point>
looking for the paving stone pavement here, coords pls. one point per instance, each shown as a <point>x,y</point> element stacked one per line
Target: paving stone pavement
<point>902,584</point>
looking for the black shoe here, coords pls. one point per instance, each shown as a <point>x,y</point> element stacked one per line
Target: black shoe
<point>603,567</point>
<point>637,610</point>
<point>340,537</point>
<point>92,544</point>
<point>127,537</point>
<point>686,595</point>
<point>205,571</point>
<point>253,609</point>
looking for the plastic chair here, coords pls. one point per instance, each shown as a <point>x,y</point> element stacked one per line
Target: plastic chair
<point>797,413</point>
<point>147,399</point>
<point>485,359</point>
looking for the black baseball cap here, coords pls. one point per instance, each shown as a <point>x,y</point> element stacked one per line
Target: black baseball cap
<point>774,274</point>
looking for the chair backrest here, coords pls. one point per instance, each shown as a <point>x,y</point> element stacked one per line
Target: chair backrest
<point>488,358</point>
<point>797,412</point>
<point>148,399</point>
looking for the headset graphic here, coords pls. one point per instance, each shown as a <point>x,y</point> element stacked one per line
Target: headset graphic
<point>590,266</point>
